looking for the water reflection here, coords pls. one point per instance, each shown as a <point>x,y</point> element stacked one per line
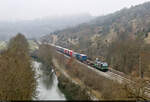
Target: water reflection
<point>47,83</point>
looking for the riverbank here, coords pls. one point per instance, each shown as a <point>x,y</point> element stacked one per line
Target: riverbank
<point>73,89</point>
<point>78,82</point>
<point>47,83</point>
<point>93,85</point>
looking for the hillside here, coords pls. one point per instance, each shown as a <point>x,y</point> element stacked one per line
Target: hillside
<point>116,37</point>
<point>133,21</point>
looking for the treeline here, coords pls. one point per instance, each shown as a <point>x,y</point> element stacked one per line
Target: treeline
<point>130,21</point>
<point>104,88</point>
<point>17,80</point>
<point>126,54</point>
<point>130,56</point>
<point>117,38</point>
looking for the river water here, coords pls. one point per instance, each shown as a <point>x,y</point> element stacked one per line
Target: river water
<point>47,87</point>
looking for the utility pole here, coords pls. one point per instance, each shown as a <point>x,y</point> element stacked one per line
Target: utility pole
<point>140,70</point>
<point>140,66</point>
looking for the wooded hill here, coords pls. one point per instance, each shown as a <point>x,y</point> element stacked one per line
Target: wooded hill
<point>121,38</point>
<point>129,21</point>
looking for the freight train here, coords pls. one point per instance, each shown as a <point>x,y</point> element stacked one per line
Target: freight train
<point>103,66</point>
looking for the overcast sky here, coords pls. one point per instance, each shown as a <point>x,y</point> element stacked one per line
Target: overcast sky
<point>32,9</point>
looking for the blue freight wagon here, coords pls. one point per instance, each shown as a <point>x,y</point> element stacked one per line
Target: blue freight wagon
<point>80,57</point>
<point>83,57</point>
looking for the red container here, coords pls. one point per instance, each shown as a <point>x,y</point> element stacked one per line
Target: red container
<point>65,50</point>
<point>70,53</point>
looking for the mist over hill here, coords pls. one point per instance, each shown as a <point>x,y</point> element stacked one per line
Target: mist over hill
<point>133,21</point>
<point>118,38</point>
<point>39,27</point>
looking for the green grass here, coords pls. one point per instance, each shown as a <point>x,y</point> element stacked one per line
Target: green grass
<point>3,45</point>
<point>32,45</point>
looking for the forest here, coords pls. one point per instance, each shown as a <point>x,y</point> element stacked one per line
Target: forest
<point>120,38</point>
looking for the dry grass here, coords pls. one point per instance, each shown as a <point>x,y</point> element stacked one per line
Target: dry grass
<point>91,79</point>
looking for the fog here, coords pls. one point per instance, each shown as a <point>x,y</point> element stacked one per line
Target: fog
<point>35,18</point>
<point>33,9</point>
<point>39,27</point>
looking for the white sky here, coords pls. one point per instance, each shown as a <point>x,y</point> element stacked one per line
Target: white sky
<point>32,9</point>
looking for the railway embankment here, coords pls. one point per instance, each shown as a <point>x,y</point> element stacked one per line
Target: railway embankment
<point>81,83</point>
<point>72,88</point>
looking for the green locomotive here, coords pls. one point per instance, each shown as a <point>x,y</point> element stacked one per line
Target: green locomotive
<point>103,66</point>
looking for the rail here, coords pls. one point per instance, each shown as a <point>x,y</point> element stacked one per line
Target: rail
<point>114,75</point>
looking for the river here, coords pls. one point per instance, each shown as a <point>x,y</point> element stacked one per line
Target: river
<point>47,83</point>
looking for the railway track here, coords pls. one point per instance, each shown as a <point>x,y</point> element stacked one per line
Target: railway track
<point>109,74</point>
<point>113,75</point>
